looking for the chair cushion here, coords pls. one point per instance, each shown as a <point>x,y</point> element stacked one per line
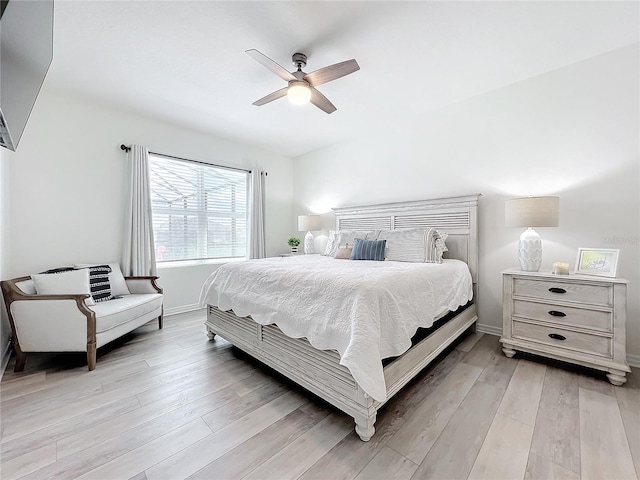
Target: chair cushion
<point>122,310</point>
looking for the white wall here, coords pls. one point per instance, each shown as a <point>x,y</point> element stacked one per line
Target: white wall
<point>66,188</point>
<point>572,132</point>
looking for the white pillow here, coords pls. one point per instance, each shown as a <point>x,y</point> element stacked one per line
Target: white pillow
<point>332,244</point>
<point>405,245</point>
<point>71,282</point>
<point>116,278</point>
<point>349,236</point>
<point>27,286</point>
<point>117,281</point>
<point>441,246</point>
<point>414,245</point>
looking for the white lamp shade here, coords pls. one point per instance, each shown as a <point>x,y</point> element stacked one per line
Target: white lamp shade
<point>309,222</point>
<point>299,92</point>
<point>532,212</point>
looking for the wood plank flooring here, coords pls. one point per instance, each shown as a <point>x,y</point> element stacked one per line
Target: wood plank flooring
<point>169,404</point>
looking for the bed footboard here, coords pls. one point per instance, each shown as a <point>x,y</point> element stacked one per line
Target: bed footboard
<point>320,372</point>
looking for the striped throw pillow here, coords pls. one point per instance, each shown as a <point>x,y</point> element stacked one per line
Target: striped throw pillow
<point>99,284</point>
<point>368,250</point>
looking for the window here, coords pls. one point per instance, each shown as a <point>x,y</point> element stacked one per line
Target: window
<point>199,210</point>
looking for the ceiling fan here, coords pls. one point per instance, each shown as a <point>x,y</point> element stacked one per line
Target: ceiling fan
<point>301,88</point>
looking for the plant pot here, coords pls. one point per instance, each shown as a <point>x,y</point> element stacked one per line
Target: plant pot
<point>294,250</point>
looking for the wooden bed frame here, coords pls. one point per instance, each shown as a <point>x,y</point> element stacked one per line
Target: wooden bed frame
<point>319,371</point>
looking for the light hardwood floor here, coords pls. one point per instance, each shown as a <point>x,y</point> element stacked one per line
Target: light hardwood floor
<point>169,404</point>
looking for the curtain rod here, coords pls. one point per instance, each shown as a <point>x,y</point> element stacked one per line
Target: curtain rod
<point>127,149</point>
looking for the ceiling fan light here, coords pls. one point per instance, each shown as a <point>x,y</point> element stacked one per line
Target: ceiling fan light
<point>299,93</point>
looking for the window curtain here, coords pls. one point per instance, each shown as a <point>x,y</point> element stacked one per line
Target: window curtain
<point>138,252</point>
<point>256,213</point>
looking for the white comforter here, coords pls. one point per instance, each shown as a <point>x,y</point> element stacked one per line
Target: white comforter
<point>365,310</point>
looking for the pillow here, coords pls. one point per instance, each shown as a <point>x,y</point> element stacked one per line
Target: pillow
<point>406,245</point>
<point>440,246</point>
<point>73,282</point>
<point>347,237</point>
<point>372,235</point>
<point>368,250</point>
<point>27,286</point>
<point>343,253</point>
<point>332,244</point>
<point>99,283</point>
<point>417,245</point>
<point>116,279</point>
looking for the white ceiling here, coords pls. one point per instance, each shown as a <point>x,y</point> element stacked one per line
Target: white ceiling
<point>184,62</point>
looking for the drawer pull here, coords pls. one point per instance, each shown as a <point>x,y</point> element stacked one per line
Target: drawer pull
<point>557,290</point>
<point>556,313</point>
<point>557,336</point>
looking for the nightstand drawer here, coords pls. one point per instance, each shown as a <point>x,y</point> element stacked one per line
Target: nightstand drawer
<point>562,315</point>
<point>557,337</point>
<point>568,292</point>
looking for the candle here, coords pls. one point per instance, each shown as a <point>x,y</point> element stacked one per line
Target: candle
<point>560,268</point>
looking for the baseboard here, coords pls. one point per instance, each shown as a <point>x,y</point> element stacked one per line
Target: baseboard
<point>182,309</point>
<point>490,329</point>
<point>633,360</point>
<point>6,355</point>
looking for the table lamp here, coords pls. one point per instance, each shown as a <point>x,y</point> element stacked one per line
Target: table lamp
<point>531,212</point>
<point>308,223</point>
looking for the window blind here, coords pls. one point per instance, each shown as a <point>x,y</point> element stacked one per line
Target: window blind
<point>199,210</point>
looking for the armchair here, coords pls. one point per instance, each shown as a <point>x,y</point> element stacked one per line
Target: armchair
<point>64,323</point>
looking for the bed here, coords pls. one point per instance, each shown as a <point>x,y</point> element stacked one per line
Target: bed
<point>355,380</point>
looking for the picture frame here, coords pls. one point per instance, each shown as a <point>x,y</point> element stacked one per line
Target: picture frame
<point>602,262</point>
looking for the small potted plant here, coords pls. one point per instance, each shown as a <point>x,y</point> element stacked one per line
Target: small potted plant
<point>293,243</point>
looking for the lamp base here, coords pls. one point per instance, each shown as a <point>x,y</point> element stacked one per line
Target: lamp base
<point>308,243</point>
<point>530,251</point>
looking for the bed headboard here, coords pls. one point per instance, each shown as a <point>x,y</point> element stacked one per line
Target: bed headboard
<point>456,216</point>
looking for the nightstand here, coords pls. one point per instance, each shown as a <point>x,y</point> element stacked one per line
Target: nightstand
<point>575,318</point>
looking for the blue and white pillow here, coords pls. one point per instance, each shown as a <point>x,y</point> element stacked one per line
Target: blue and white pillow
<point>368,250</point>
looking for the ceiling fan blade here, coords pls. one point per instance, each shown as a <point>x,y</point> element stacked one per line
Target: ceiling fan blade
<point>332,72</point>
<point>322,102</point>
<point>271,97</point>
<point>270,64</point>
